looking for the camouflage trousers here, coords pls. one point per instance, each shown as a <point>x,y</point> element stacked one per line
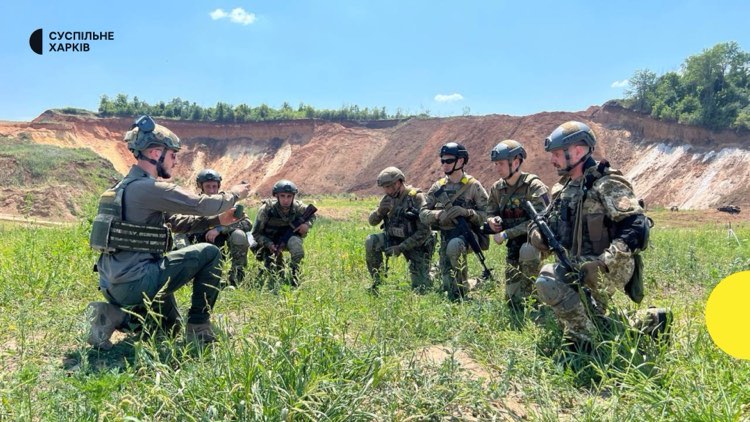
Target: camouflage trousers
<point>199,263</point>
<point>519,274</point>
<point>454,270</point>
<point>419,260</point>
<point>572,307</point>
<point>274,264</point>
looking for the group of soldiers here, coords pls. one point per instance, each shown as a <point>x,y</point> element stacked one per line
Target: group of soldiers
<point>591,219</point>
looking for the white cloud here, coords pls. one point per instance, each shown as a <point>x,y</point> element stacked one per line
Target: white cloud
<point>218,14</point>
<point>237,15</point>
<point>442,98</point>
<point>620,84</point>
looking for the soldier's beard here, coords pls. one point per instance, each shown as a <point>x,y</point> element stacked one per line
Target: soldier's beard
<point>562,171</point>
<point>162,172</point>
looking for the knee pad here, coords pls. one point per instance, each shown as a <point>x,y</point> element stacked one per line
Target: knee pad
<point>555,293</point>
<point>370,242</point>
<point>455,247</point>
<point>295,247</point>
<point>238,238</point>
<point>528,253</point>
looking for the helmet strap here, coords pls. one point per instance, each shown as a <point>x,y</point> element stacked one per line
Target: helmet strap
<point>160,165</point>
<point>570,166</point>
<point>454,169</point>
<point>510,167</point>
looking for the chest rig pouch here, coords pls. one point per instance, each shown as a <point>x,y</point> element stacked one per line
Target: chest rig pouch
<point>110,234</point>
<point>403,222</point>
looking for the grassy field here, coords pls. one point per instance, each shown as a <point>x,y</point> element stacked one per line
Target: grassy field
<point>329,351</point>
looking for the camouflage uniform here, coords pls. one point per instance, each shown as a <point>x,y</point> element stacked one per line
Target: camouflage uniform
<point>235,237</point>
<point>453,247</point>
<point>270,225</point>
<point>598,220</point>
<point>505,202</point>
<point>402,227</point>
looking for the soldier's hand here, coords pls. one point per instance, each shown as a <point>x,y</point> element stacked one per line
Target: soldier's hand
<point>536,239</point>
<point>385,206</point>
<point>456,211</point>
<point>443,218</point>
<point>393,251</point>
<point>495,223</point>
<point>592,272</point>
<point>241,190</point>
<point>227,217</point>
<point>274,249</point>
<point>500,237</point>
<point>302,229</point>
<point>211,235</point>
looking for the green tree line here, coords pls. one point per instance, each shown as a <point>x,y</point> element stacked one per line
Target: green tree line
<point>121,105</point>
<point>712,89</point>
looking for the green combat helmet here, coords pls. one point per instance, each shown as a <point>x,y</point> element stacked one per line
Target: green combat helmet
<point>208,175</point>
<point>284,186</point>
<point>389,176</point>
<point>568,134</point>
<point>507,150</point>
<point>145,133</point>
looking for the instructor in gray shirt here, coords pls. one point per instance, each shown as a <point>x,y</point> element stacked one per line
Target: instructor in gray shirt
<point>132,230</point>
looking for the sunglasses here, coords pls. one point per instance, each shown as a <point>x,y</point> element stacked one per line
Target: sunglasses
<point>448,160</point>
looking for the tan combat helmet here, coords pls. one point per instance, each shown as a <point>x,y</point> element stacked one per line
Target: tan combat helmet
<point>389,176</point>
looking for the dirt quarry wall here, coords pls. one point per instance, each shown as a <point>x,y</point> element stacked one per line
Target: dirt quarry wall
<point>670,164</point>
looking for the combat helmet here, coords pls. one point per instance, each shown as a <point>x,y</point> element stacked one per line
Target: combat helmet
<point>389,176</point>
<point>507,150</point>
<point>455,149</point>
<point>284,186</point>
<point>568,134</point>
<point>145,133</point>
<point>207,175</point>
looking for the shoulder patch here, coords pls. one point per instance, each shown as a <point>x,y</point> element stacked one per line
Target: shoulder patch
<point>623,204</point>
<point>413,192</point>
<point>442,181</point>
<point>466,179</point>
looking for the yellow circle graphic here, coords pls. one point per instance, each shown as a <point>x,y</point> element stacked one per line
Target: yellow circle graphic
<point>728,315</point>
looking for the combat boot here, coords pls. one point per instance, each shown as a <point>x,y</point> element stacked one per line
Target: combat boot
<point>203,333</point>
<point>105,318</point>
<point>658,324</point>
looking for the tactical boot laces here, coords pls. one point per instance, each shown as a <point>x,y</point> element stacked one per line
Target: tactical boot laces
<point>201,333</point>
<point>104,319</point>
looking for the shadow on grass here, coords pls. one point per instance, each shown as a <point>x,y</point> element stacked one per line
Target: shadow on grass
<point>92,360</point>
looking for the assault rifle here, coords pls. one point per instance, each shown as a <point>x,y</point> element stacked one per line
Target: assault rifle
<point>302,219</point>
<point>467,232</point>
<point>549,237</point>
<point>565,271</point>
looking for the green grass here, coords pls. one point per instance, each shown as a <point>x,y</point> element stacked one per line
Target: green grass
<point>36,164</point>
<point>329,351</point>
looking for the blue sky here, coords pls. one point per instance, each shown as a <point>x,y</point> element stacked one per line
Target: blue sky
<point>507,57</point>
